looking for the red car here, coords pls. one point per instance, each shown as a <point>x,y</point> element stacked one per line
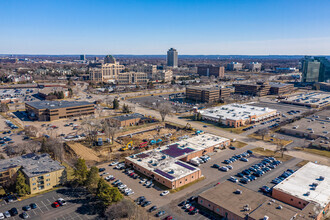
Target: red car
<point>131,174</point>
<point>168,218</point>
<point>56,205</point>
<point>191,208</point>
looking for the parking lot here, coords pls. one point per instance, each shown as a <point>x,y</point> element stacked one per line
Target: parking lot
<point>79,206</point>
<point>180,105</point>
<point>19,95</point>
<point>169,203</point>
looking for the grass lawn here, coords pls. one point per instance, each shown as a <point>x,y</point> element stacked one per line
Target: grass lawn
<point>323,153</point>
<point>187,185</point>
<point>238,144</point>
<point>302,163</point>
<point>69,171</point>
<point>2,192</point>
<point>269,153</point>
<point>270,139</point>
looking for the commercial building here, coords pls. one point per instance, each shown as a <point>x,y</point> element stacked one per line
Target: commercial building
<point>285,69</point>
<point>310,99</point>
<point>254,66</point>
<point>315,69</point>
<point>54,110</point>
<point>263,88</point>
<point>107,72</point>
<point>236,115</point>
<point>127,120</point>
<point>132,78</point>
<point>172,57</point>
<point>41,172</point>
<point>82,57</point>
<point>234,66</point>
<point>207,94</point>
<point>280,88</point>
<point>162,75</point>
<point>311,127</point>
<point>211,70</point>
<point>233,201</point>
<point>258,89</point>
<point>166,164</point>
<point>307,186</point>
<point>145,68</point>
<point>323,86</point>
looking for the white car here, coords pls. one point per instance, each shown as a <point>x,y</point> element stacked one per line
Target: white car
<point>108,177</point>
<point>165,193</point>
<point>233,179</point>
<point>130,193</point>
<point>1,215</point>
<point>122,186</point>
<point>114,163</point>
<point>142,181</point>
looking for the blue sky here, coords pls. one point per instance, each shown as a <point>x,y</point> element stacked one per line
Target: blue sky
<point>224,27</point>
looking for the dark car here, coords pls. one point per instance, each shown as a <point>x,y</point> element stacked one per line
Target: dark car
<point>160,213</point>
<point>244,180</point>
<point>146,203</point>
<point>13,211</point>
<point>26,208</point>
<point>193,212</point>
<point>101,169</point>
<point>153,208</point>
<point>33,206</point>
<point>216,166</point>
<point>265,189</point>
<point>232,148</point>
<point>249,152</point>
<point>193,198</point>
<point>240,174</point>
<point>182,203</point>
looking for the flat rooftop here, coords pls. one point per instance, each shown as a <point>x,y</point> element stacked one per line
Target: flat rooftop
<point>259,205</point>
<point>236,111</point>
<point>278,85</point>
<point>128,117</point>
<point>301,182</point>
<point>57,104</point>
<point>310,98</point>
<point>206,88</point>
<point>47,90</point>
<point>32,164</point>
<point>318,124</point>
<point>157,162</point>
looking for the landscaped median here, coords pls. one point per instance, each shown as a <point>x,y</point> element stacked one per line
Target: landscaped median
<point>319,152</point>
<point>187,185</point>
<point>271,139</point>
<point>270,153</point>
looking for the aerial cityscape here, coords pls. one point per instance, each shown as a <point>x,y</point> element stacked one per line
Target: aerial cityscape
<point>165,110</point>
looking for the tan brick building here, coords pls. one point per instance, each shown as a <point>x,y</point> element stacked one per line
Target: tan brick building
<point>54,110</point>
<point>127,120</point>
<point>41,172</point>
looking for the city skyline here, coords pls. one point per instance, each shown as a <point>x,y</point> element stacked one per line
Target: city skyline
<point>151,27</point>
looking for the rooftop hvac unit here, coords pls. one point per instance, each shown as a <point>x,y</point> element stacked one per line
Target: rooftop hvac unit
<point>307,193</point>
<point>279,207</point>
<point>321,178</point>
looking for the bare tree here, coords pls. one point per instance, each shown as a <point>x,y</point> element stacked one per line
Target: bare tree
<point>32,146</point>
<point>123,209</point>
<point>263,132</point>
<point>176,108</point>
<point>31,131</point>
<point>4,107</point>
<point>53,146</point>
<point>164,110</point>
<point>110,128</point>
<point>90,128</point>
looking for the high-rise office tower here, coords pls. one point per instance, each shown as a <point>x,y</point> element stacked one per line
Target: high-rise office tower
<point>172,57</point>
<point>315,69</point>
<point>82,57</point>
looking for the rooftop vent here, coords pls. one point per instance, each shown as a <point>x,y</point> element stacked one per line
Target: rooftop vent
<point>279,207</point>
<point>307,193</point>
<point>321,178</point>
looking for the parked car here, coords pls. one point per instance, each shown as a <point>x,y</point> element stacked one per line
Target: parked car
<point>26,208</point>
<point>101,169</point>
<point>233,179</point>
<point>160,213</point>
<point>225,169</point>
<point>13,211</point>
<point>153,208</point>
<point>61,201</point>
<point>7,214</point>
<point>25,215</point>
<point>244,159</point>
<point>56,205</point>
<point>2,216</point>
<point>165,193</point>
<point>33,206</point>
<point>265,189</point>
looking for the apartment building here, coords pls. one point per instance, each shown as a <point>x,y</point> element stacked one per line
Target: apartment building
<point>162,75</point>
<point>254,66</point>
<point>54,110</point>
<point>41,172</point>
<point>234,66</point>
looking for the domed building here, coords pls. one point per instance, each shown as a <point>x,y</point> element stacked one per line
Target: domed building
<point>109,59</point>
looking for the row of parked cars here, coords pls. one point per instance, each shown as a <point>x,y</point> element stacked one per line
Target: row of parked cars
<point>189,205</point>
<point>199,160</point>
<point>14,211</point>
<point>11,125</point>
<point>257,170</point>
<point>282,177</point>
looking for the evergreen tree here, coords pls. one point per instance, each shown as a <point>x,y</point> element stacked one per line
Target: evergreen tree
<point>115,104</point>
<point>21,187</point>
<point>92,178</point>
<point>107,194</point>
<point>126,109</point>
<point>70,92</point>
<point>80,172</point>
<point>61,95</point>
